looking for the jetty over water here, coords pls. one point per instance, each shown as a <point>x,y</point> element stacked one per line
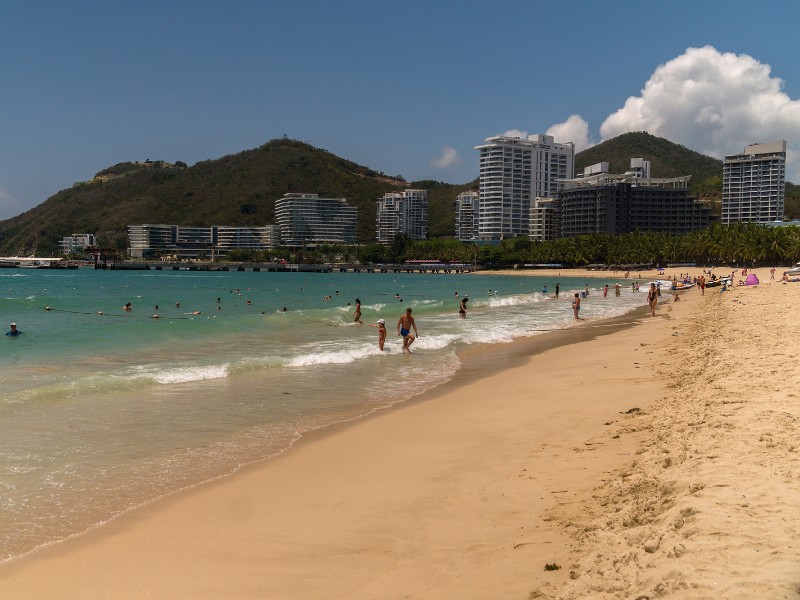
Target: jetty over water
<point>424,267</point>
<point>109,262</point>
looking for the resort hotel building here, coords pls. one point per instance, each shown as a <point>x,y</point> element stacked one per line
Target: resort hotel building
<point>753,184</point>
<point>601,202</point>
<point>307,220</point>
<point>301,220</point>
<point>514,171</point>
<point>182,241</point>
<point>403,212</point>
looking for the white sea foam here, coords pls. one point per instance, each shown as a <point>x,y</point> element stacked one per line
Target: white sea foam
<point>338,355</point>
<point>185,375</point>
<point>519,300</point>
<point>157,373</point>
<point>437,342</point>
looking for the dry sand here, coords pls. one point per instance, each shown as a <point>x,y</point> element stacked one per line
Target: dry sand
<point>472,491</point>
<point>711,506</point>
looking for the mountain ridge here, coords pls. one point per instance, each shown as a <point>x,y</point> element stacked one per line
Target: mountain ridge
<point>241,189</point>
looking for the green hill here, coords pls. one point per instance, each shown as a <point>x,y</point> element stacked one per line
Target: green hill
<point>671,160</point>
<point>668,159</point>
<point>241,189</point>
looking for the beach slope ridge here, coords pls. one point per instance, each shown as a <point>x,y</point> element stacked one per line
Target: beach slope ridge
<point>709,507</point>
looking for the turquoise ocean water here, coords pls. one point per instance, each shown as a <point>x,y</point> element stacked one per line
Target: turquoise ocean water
<point>103,410</point>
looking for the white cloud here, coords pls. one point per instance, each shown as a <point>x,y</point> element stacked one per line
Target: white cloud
<point>516,133</point>
<point>715,103</point>
<point>575,129</point>
<point>448,158</point>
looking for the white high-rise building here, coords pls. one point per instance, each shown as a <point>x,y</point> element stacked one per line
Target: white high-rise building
<point>149,240</point>
<point>466,211</point>
<point>307,220</point>
<point>246,238</point>
<point>754,184</point>
<point>513,171</point>
<point>402,212</point>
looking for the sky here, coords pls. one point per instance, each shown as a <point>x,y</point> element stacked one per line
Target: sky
<point>408,88</point>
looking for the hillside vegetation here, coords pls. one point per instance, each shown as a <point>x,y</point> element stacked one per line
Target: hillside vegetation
<point>668,159</point>
<point>671,160</point>
<point>241,189</point>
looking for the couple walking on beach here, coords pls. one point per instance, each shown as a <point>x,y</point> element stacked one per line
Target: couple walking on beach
<point>404,326</point>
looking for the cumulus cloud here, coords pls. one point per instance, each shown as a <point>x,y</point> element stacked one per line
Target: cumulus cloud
<point>516,133</point>
<point>448,158</point>
<point>575,129</point>
<point>713,102</point>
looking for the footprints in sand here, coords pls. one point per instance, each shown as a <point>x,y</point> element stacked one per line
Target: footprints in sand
<point>709,506</point>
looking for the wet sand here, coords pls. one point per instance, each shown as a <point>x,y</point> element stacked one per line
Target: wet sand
<point>531,458</point>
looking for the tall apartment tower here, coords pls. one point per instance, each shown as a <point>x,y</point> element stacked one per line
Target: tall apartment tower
<point>754,183</point>
<point>512,172</point>
<point>402,212</point>
<point>467,204</point>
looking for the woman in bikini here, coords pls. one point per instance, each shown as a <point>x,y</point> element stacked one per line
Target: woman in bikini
<point>652,299</point>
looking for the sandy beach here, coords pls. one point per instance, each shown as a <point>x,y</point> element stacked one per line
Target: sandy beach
<point>654,460</point>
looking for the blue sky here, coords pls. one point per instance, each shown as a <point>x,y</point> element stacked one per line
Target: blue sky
<point>404,87</point>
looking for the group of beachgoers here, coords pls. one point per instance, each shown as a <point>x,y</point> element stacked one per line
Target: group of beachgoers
<point>128,306</point>
<point>404,324</point>
<point>582,295</point>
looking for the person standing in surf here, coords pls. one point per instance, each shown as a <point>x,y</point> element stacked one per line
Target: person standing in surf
<point>381,325</point>
<point>404,326</point>
<point>357,313</point>
<point>576,306</point>
<point>652,299</point>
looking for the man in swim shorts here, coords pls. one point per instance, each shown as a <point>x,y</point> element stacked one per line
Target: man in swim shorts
<point>404,326</point>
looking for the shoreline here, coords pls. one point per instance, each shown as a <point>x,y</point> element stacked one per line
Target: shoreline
<point>170,481</point>
<point>475,371</point>
<point>463,491</point>
<point>477,361</point>
<point>646,274</point>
